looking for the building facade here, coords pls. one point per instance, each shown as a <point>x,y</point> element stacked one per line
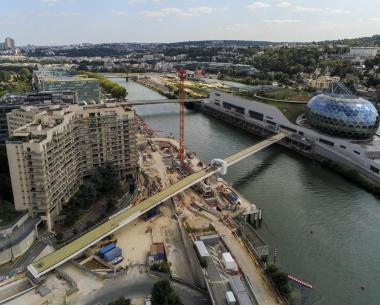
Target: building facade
<point>49,158</point>
<point>17,237</point>
<point>63,79</point>
<point>9,43</point>
<point>264,119</point>
<point>322,82</point>
<point>87,89</point>
<point>9,102</point>
<point>364,51</point>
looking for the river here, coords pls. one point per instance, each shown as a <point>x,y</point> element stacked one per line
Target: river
<point>326,229</point>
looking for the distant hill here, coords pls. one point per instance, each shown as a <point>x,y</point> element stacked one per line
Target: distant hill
<point>373,41</point>
<point>215,43</point>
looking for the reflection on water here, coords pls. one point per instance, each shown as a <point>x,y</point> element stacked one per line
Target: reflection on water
<point>298,196</point>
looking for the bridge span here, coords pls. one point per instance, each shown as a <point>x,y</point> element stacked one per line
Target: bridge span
<point>122,218</point>
<point>159,101</point>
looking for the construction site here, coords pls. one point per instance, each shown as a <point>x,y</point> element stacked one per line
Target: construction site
<point>202,238</point>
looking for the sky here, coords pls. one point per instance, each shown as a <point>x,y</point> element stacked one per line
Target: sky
<point>58,22</point>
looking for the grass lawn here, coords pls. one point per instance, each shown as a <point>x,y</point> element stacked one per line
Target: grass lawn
<point>291,111</point>
<point>287,94</point>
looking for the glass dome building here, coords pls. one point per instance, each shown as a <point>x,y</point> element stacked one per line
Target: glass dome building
<point>345,116</point>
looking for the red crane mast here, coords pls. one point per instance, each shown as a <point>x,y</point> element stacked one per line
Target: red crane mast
<point>182,76</point>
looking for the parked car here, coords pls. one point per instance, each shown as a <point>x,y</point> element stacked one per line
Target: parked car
<point>117,260</point>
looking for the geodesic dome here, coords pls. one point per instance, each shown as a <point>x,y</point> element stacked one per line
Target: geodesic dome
<point>345,116</point>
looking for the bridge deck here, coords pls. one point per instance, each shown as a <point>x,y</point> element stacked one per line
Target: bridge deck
<point>58,257</point>
<point>160,101</point>
<point>253,149</point>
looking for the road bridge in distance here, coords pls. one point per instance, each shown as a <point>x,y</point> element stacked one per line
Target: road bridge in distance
<point>159,101</point>
<point>126,216</point>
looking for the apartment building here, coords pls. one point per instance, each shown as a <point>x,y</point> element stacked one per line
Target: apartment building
<point>322,82</point>
<point>49,158</point>
<point>9,102</point>
<point>24,115</point>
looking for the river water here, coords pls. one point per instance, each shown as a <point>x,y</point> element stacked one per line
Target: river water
<point>326,229</point>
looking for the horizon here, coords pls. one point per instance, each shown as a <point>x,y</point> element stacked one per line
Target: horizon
<point>188,41</point>
<point>70,22</point>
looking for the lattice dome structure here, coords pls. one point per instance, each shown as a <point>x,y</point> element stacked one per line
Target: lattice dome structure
<point>345,116</point>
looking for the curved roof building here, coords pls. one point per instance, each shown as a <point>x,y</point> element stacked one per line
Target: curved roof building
<point>345,116</point>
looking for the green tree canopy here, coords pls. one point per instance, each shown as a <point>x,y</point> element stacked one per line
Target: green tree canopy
<point>163,294</point>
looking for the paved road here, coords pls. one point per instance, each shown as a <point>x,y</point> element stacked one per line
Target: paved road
<point>139,286</point>
<point>25,259</point>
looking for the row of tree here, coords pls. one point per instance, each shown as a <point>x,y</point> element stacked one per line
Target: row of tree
<point>117,91</point>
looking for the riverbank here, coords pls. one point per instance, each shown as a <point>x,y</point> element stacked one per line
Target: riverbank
<point>298,195</point>
<point>346,172</point>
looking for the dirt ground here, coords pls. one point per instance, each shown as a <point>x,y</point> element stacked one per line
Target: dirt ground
<point>136,238</point>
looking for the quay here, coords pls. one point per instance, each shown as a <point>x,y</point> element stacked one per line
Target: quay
<point>60,256</point>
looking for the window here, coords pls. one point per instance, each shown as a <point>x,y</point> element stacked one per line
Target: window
<point>301,133</point>
<point>326,142</point>
<point>217,94</point>
<point>342,146</point>
<point>356,152</point>
<point>271,123</point>
<point>217,103</point>
<point>233,107</point>
<point>256,115</point>
<point>374,169</point>
<point>288,128</point>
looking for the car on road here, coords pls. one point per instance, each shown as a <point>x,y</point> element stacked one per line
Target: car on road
<point>117,260</point>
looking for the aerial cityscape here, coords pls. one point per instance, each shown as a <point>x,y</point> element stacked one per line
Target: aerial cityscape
<point>165,152</point>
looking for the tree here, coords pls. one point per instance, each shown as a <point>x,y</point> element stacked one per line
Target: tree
<point>163,294</point>
<point>106,178</point>
<point>25,74</point>
<point>59,237</point>
<point>280,279</point>
<point>121,301</point>
<point>161,267</point>
<point>119,92</point>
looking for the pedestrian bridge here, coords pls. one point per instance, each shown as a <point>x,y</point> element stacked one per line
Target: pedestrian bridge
<point>122,218</point>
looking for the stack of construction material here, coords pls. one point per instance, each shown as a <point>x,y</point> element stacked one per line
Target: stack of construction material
<point>105,249</point>
<point>157,252</point>
<point>112,254</point>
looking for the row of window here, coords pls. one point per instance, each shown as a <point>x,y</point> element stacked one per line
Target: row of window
<point>229,106</point>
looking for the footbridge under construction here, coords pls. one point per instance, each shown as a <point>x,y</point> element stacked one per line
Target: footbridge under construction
<point>126,216</point>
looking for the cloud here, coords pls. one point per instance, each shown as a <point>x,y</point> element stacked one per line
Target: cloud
<point>50,1</point>
<point>310,9</point>
<point>119,13</point>
<point>236,27</point>
<point>58,14</point>
<point>283,4</point>
<point>281,21</point>
<point>190,12</point>
<point>254,6</point>
<point>333,25</point>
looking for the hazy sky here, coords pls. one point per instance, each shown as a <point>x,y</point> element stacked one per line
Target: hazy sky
<point>74,21</point>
